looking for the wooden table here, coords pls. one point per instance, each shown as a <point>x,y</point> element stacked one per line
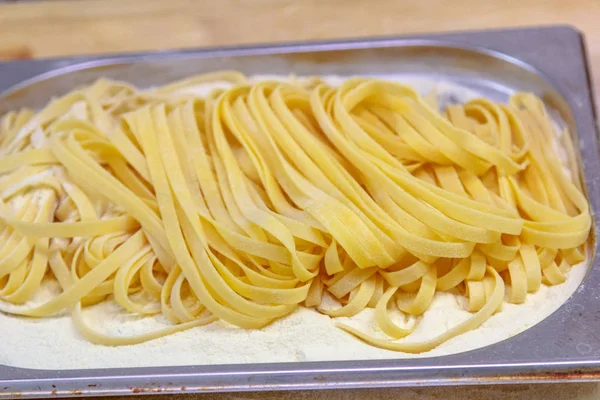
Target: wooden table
<point>57,28</point>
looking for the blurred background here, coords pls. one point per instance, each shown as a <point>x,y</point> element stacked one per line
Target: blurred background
<point>49,28</point>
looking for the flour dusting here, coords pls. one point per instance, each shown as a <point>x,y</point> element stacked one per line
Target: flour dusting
<point>305,335</point>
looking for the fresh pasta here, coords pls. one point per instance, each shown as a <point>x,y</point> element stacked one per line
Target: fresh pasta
<point>263,196</point>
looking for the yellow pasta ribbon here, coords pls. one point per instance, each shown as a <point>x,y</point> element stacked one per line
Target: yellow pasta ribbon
<point>263,196</point>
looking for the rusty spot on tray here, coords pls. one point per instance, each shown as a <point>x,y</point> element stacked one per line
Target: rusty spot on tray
<point>575,374</point>
<point>548,376</point>
<point>183,388</point>
<point>54,393</point>
<point>148,390</point>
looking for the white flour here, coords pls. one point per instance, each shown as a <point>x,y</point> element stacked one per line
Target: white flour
<point>305,335</point>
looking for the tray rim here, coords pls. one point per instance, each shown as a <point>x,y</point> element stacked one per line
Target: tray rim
<point>298,375</point>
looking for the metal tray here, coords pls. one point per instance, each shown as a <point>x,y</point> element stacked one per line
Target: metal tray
<point>549,61</point>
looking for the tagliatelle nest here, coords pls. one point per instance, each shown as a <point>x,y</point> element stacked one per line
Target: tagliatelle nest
<point>244,204</point>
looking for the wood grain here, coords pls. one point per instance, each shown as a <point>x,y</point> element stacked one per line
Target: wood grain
<point>55,28</point>
<point>15,53</point>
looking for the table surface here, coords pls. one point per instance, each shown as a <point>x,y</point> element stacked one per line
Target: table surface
<point>61,28</point>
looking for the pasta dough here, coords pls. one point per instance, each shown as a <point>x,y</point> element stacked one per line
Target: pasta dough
<point>245,203</point>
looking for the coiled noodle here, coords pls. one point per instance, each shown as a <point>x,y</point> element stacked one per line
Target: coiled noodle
<point>263,196</point>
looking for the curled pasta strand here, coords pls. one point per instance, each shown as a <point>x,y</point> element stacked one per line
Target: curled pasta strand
<point>262,196</point>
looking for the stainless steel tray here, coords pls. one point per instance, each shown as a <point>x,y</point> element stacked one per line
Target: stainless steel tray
<point>549,61</point>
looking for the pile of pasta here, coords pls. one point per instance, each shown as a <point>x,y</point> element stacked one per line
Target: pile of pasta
<point>263,196</point>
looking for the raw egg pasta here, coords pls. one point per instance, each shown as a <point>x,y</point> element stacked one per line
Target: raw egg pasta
<point>264,196</point>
